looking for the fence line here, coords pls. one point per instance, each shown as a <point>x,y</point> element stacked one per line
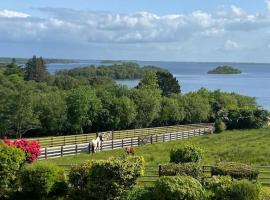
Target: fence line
<point>59,151</point>
<point>112,135</point>
<point>152,172</point>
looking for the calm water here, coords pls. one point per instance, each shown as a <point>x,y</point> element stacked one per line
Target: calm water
<point>254,80</point>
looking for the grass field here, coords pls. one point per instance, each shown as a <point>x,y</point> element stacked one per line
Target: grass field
<point>247,146</point>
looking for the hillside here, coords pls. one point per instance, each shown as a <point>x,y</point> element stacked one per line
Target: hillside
<point>247,146</point>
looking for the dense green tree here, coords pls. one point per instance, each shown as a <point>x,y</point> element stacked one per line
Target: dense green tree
<point>148,106</point>
<point>170,112</point>
<point>167,83</point>
<point>13,68</point>
<point>51,109</point>
<point>78,108</point>
<point>36,69</point>
<point>17,111</point>
<point>124,112</point>
<point>197,108</point>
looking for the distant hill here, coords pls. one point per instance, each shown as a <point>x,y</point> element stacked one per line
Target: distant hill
<point>48,60</point>
<point>225,70</point>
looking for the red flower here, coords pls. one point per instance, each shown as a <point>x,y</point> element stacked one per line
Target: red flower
<point>30,147</point>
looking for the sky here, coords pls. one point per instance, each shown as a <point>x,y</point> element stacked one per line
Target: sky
<point>164,30</point>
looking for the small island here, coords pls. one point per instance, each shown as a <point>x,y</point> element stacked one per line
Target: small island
<point>225,70</point>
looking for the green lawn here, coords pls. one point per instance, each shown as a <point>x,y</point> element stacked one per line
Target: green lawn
<point>247,146</point>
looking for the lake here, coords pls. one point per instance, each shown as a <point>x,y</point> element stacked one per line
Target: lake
<point>254,80</point>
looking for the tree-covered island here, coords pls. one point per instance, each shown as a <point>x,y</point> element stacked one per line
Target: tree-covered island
<point>225,70</point>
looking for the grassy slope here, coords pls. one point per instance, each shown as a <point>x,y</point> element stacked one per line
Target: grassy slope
<point>249,146</point>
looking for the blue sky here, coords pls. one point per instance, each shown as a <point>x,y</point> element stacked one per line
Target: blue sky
<point>177,30</point>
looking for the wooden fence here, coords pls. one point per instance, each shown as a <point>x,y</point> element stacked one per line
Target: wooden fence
<point>152,173</point>
<point>137,140</point>
<point>113,135</point>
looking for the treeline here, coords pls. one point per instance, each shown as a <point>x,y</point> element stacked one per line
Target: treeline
<point>42,107</point>
<point>25,60</point>
<point>115,71</point>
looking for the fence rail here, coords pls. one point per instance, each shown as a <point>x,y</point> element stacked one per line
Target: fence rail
<point>112,135</point>
<point>137,140</point>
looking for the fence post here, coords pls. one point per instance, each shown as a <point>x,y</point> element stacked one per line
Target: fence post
<point>163,137</point>
<point>122,143</point>
<point>89,147</point>
<point>61,151</point>
<point>131,141</point>
<point>76,148</point>
<point>101,146</point>
<point>159,170</point>
<point>199,131</point>
<point>112,143</point>
<point>45,152</point>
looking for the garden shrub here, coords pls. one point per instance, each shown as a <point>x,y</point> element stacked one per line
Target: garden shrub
<point>106,179</point>
<point>220,126</point>
<point>189,169</point>
<point>179,188</point>
<point>244,190</point>
<point>226,188</point>
<point>139,193</point>
<point>235,170</point>
<point>78,177</point>
<point>186,153</point>
<point>11,160</point>
<point>31,148</point>
<point>219,187</point>
<point>42,179</point>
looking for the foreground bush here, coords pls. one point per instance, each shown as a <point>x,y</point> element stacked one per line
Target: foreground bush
<point>189,169</point>
<point>179,188</point>
<point>11,160</point>
<point>225,188</point>
<point>31,148</point>
<point>244,190</point>
<point>139,193</point>
<point>41,180</point>
<point>186,153</point>
<point>235,170</point>
<point>105,179</point>
<point>78,177</point>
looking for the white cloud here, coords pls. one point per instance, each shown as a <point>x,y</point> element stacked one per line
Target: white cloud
<point>268,4</point>
<point>230,45</point>
<point>12,14</point>
<point>180,34</point>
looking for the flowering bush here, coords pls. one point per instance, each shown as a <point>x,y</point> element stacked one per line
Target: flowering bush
<point>31,148</point>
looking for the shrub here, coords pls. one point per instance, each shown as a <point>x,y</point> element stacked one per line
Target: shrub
<point>11,160</point>
<point>78,177</point>
<point>219,126</point>
<point>219,187</point>
<point>178,188</point>
<point>106,179</point>
<point>139,193</point>
<point>189,169</point>
<point>225,188</point>
<point>31,148</point>
<point>42,179</point>
<point>244,190</point>
<point>186,153</point>
<point>235,170</point>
